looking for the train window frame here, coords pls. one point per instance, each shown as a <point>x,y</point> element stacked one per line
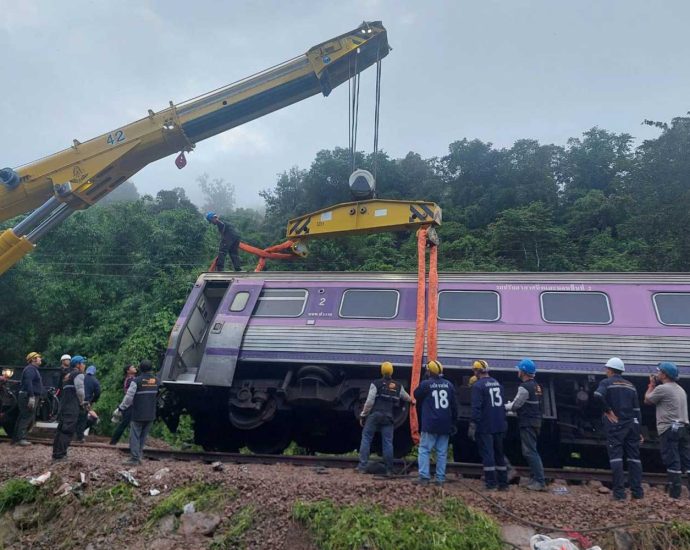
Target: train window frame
<point>265,298</point>
<point>658,313</point>
<point>498,304</point>
<point>342,301</point>
<point>606,296</point>
<point>244,293</point>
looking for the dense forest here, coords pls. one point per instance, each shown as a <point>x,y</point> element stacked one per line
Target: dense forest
<point>109,283</point>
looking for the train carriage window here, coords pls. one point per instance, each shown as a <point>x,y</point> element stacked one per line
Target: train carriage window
<point>369,304</point>
<point>587,308</point>
<point>468,305</point>
<point>239,302</point>
<point>672,308</point>
<point>281,302</point>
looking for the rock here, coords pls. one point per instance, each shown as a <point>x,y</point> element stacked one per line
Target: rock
<point>198,523</point>
<point>595,484</point>
<point>603,490</point>
<point>160,474</point>
<point>623,540</point>
<point>24,516</point>
<point>162,544</point>
<point>167,524</point>
<point>90,547</point>
<point>518,535</point>
<point>217,466</point>
<point>8,532</point>
<point>188,508</point>
<point>560,482</point>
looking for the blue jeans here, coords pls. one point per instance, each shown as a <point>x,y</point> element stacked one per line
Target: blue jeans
<point>490,448</point>
<point>427,443</point>
<point>377,422</point>
<point>528,438</point>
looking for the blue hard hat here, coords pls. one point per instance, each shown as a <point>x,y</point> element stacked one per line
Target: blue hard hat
<point>670,369</point>
<point>210,216</point>
<point>76,360</point>
<point>527,366</point>
<point>91,369</point>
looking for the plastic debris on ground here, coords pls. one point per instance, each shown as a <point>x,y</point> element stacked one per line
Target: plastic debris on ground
<point>544,542</point>
<point>560,490</point>
<point>40,480</point>
<point>129,478</point>
<point>154,492</point>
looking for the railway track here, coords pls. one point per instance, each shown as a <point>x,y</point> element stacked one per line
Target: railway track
<point>466,469</point>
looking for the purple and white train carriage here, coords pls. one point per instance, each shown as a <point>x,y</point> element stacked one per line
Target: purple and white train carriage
<point>261,359</point>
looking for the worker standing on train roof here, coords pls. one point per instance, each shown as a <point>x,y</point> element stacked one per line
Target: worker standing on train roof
<point>488,426</point>
<point>527,405</point>
<point>621,422</point>
<point>439,411</point>
<point>377,416</point>
<point>229,242</point>
<point>671,403</point>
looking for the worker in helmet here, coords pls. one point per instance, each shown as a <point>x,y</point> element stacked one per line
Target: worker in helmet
<point>527,406</point>
<point>377,416</point>
<point>30,391</point>
<point>621,422</point>
<point>439,412</point>
<point>64,367</point>
<point>488,426</point>
<point>72,400</point>
<point>229,242</point>
<point>671,403</point>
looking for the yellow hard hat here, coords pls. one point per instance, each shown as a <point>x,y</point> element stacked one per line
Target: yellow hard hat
<point>480,365</point>
<point>434,367</point>
<point>31,356</point>
<point>386,368</point>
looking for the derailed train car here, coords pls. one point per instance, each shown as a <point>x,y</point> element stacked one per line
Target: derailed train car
<point>261,359</point>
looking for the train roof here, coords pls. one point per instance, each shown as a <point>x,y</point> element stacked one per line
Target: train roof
<point>506,277</point>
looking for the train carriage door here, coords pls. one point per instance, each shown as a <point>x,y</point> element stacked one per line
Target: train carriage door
<point>225,336</point>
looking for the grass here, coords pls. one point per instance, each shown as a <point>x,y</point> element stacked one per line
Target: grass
<point>241,521</point>
<point>16,491</point>
<point>446,524</point>
<point>205,496</point>
<point>110,496</point>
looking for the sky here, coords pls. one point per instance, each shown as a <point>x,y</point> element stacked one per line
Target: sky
<point>488,69</point>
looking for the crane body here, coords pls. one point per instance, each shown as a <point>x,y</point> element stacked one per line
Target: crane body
<point>77,177</point>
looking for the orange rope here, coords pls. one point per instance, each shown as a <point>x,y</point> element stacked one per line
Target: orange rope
<point>432,318</point>
<point>419,330</point>
<point>271,253</point>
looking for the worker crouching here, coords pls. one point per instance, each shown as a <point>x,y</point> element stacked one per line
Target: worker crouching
<point>435,397</point>
<point>377,416</point>
<point>488,426</point>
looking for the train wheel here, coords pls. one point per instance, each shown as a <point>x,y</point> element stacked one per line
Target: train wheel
<point>272,437</point>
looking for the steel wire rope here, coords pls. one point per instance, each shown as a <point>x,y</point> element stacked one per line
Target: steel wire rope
<point>377,109</point>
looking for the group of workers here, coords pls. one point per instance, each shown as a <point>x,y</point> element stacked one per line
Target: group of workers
<point>78,389</point>
<point>436,403</point>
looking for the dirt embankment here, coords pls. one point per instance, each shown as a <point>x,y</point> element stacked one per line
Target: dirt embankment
<point>248,506</point>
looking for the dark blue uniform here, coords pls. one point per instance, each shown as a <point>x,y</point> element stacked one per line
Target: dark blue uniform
<point>623,437</point>
<point>489,417</point>
<point>438,405</point>
<point>229,244</point>
<point>30,386</point>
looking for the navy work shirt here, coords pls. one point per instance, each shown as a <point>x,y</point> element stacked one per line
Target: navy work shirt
<point>620,396</point>
<point>436,399</point>
<point>31,381</point>
<point>488,407</point>
<point>92,388</point>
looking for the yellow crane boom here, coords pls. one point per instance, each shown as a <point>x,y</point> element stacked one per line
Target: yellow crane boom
<point>77,177</point>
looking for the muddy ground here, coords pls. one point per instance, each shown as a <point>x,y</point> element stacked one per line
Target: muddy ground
<point>265,495</point>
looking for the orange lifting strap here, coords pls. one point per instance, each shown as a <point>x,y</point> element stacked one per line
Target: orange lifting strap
<point>420,320</point>
<point>271,253</point>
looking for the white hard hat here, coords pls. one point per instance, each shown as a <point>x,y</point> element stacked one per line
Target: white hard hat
<point>66,356</point>
<point>616,363</point>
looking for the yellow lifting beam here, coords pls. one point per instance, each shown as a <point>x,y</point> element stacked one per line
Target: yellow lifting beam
<point>368,216</point>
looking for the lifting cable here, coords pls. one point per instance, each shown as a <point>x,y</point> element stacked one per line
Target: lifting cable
<point>353,110</point>
<point>421,318</point>
<point>377,109</point>
<point>271,253</point>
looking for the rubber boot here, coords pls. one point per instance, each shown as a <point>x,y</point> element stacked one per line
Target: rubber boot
<point>675,485</point>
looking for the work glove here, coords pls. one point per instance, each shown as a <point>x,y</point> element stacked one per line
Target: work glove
<point>509,406</point>
<point>32,402</point>
<point>472,430</point>
<point>117,416</point>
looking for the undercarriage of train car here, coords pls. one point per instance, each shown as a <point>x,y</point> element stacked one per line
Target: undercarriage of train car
<point>315,406</point>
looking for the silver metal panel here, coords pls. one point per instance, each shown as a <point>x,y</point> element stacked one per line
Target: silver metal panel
<point>584,348</point>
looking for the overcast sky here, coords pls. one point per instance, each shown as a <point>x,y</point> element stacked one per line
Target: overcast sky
<point>493,70</point>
